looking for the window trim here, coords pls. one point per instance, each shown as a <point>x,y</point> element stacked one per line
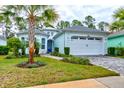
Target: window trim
<point>43,43</point>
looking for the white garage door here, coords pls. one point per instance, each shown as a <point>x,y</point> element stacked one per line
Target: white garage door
<point>86,46</point>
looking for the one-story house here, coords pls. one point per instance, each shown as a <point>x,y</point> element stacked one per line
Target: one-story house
<point>116,39</point>
<point>3,41</point>
<point>81,40</point>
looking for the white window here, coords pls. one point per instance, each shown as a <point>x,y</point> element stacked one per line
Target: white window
<point>82,37</point>
<point>98,38</point>
<point>90,38</point>
<point>43,43</point>
<point>22,38</point>
<point>74,37</point>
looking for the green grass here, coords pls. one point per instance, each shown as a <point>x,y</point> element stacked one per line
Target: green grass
<point>54,71</point>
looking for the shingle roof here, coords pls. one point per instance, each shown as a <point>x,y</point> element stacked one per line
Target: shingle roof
<point>36,32</point>
<point>82,28</point>
<point>56,30</point>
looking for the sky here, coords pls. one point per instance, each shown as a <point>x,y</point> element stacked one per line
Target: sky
<point>79,12</point>
<point>100,13</point>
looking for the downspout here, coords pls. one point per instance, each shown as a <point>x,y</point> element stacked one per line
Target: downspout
<point>64,41</point>
<point>64,38</point>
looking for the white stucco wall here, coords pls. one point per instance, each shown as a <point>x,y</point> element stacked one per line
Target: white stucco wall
<point>3,42</point>
<point>59,42</point>
<point>39,40</point>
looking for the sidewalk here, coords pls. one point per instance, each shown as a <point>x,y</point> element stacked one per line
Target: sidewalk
<point>106,82</point>
<point>54,57</point>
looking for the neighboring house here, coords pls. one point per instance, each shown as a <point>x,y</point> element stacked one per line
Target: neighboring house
<point>116,39</point>
<point>3,41</point>
<point>82,41</point>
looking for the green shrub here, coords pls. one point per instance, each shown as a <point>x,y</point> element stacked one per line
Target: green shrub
<point>116,51</point>
<point>23,50</point>
<point>111,51</point>
<point>77,60</point>
<point>60,55</point>
<point>23,47</point>
<point>15,44</point>
<point>10,57</point>
<point>37,45</point>
<point>4,50</point>
<point>56,50</point>
<point>119,51</point>
<point>66,50</point>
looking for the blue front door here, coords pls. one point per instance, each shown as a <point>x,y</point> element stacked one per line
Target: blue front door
<point>49,46</point>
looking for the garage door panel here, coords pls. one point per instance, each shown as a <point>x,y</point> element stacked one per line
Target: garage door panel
<point>86,47</point>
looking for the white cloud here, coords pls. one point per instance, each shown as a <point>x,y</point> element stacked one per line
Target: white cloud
<point>100,13</point>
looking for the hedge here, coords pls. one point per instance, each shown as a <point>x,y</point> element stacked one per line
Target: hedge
<point>116,51</point>
<point>77,60</point>
<point>66,50</point>
<point>56,50</point>
<point>111,51</point>
<point>4,50</point>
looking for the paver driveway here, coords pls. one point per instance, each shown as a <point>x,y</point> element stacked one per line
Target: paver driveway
<point>112,63</point>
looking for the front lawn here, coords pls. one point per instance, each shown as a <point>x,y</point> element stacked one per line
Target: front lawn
<point>54,71</point>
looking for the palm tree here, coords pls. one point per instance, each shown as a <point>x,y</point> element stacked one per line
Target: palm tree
<point>117,26</point>
<point>31,13</point>
<point>89,22</point>
<point>103,25</point>
<point>118,23</point>
<point>119,14</point>
<point>76,23</point>
<point>6,18</point>
<point>21,23</point>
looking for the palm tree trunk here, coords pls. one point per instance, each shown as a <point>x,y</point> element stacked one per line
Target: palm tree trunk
<point>31,38</point>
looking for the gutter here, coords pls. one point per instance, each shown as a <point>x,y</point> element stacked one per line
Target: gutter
<point>111,37</point>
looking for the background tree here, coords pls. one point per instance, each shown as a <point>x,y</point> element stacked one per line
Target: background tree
<point>63,24</point>
<point>89,22</point>
<point>76,23</point>
<point>32,12</point>
<point>103,25</point>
